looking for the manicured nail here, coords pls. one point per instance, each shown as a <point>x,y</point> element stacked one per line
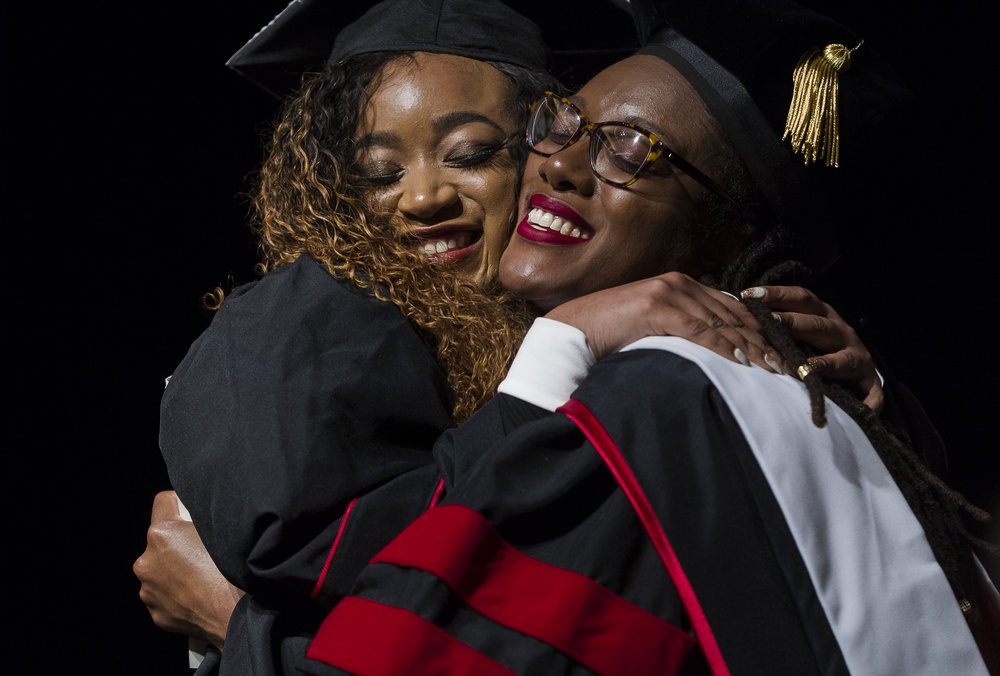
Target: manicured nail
<point>776,317</point>
<point>753,292</point>
<point>740,357</point>
<point>773,363</point>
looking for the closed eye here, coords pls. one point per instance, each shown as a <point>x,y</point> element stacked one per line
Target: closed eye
<point>475,156</point>
<point>379,175</point>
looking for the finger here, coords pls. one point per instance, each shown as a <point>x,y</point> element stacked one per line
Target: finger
<point>748,333</point>
<point>148,598</point>
<point>875,398</point>
<point>730,318</point>
<point>701,325</point>
<point>788,298</point>
<point>140,568</point>
<point>739,314</point>
<point>760,351</point>
<point>165,507</point>
<point>755,345</point>
<point>701,332</point>
<point>843,365</point>
<point>744,345</point>
<point>858,373</point>
<point>685,293</point>
<point>822,333</point>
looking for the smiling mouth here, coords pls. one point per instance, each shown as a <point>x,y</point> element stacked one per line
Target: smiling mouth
<point>543,220</point>
<point>448,245</point>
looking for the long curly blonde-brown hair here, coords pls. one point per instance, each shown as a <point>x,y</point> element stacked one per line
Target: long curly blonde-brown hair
<point>306,203</point>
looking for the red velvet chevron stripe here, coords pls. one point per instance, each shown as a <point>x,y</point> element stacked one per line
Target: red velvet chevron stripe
<point>365,637</point>
<point>564,609</point>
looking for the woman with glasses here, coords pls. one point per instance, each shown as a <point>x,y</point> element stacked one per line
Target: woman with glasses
<point>678,514</point>
<point>316,514</point>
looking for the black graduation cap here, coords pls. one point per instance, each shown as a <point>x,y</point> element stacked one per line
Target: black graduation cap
<point>309,33</point>
<point>796,92</point>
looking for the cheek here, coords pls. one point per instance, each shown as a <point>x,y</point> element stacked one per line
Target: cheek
<point>383,202</point>
<point>635,233</point>
<point>497,198</point>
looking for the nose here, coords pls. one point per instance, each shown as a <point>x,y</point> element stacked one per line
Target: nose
<point>428,196</point>
<point>569,169</point>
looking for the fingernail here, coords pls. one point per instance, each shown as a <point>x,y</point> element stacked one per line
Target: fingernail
<point>773,363</point>
<point>776,317</point>
<point>753,292</point>
<point>740,357</point>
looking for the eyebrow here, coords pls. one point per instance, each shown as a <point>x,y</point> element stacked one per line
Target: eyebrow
<point>669,139</point>
<point>439,124</point>
<point>458,118</point>
<point>377,138</point>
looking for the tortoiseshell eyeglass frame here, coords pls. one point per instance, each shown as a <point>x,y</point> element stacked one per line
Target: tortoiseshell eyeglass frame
<point>657,148</point>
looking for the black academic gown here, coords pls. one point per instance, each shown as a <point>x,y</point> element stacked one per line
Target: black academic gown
<point>681,514</point>
<point>298,432</point>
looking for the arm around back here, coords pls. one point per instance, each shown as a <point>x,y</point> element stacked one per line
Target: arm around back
<point>304,395</point>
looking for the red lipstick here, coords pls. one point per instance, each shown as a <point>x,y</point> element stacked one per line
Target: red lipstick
<point>546,235</point>
<point>556,207</point>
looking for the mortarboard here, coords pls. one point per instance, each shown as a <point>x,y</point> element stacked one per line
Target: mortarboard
<point>309,33</point>
<point>302,37</point>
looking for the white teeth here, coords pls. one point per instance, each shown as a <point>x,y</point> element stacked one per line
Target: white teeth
<point>456,240</point>
<point>543,220</point>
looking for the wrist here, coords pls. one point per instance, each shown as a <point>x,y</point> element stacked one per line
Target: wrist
<point>219,623</point>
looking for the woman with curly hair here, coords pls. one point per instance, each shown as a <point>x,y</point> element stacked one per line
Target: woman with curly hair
<point>300,423</point>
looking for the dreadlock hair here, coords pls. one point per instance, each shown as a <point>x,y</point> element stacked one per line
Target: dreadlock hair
<point>306,202</point>
<point>941,510</point>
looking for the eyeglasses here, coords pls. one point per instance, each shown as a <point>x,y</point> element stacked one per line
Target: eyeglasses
<point>620,152</point>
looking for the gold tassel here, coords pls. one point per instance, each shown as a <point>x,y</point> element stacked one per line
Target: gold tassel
<point>813,124</point>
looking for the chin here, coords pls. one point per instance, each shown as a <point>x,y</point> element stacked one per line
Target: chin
<point>532,289</point>
<point>526,278</point>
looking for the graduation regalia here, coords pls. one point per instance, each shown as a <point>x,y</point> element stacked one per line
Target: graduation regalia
<point>299,426</point>
<point>681,514</point>
<point>298,429</point>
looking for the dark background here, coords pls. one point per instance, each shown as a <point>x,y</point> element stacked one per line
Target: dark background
<point>126,145</point>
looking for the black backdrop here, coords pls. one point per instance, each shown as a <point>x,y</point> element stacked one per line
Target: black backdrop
<point>126,146</point>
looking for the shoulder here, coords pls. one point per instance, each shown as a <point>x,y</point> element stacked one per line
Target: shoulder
<point>674,372</point>
<point>672,389</point>
<point>636,382</point>
<point>302,288</point>
<point>302,303</point>
<point>299,319</point>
